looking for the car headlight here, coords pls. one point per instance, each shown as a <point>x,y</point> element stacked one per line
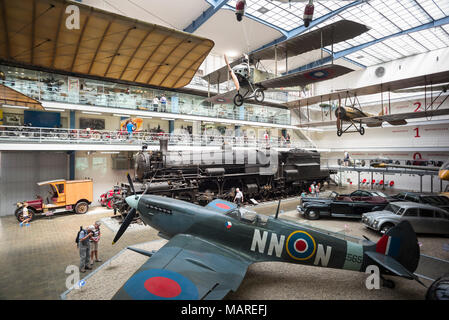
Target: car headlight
<point>375,224</point>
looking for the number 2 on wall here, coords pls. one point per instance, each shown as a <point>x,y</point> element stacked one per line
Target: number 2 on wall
<point>417,133</point>
<point>419,106</point>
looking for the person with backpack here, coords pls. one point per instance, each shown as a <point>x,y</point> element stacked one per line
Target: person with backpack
<point>83,244</point>
<point>94,243</point>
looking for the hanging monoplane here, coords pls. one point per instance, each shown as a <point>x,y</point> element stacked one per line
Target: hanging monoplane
<point>251,82</point>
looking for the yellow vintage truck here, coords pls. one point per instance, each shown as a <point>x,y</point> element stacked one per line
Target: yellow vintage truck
<point>62,196</point>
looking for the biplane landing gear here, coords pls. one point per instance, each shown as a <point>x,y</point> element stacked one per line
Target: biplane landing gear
<point>259,95</point>
<point>238,100</point>
<point>362,131</point>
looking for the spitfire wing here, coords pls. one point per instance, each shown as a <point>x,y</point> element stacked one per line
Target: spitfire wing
<point>222,98</point>
<point>186,268</point>
<point>400,118</point>
<point>306,77</point>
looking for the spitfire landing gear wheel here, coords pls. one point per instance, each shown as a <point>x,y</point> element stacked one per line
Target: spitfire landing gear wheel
<point>362,131</point>
<point>259,95</point>
<point>238,100</point>
<point>388,283</point>
<point>339,132</point>
<point>81,207</point>
<point>312,215</point>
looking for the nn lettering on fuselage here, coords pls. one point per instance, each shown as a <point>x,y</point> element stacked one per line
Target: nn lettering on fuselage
<point>299,245</point>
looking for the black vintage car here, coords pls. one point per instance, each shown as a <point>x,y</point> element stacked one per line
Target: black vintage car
<point>347,208</point>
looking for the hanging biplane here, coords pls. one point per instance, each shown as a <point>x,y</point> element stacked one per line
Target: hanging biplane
<point>351,111</point>
<point>251,82</point>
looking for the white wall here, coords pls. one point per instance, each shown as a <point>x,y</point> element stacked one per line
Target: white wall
<point>98,167</point>
<point>421,64</point>
<point>20,171</point>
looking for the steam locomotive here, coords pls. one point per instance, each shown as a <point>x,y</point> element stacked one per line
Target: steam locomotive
<point>201,176</point>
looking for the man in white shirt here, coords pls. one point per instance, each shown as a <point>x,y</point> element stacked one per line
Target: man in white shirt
<point>155,103</point>
<point>238,197</point>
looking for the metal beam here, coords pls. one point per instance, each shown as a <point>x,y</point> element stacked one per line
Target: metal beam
<point>215,6</point>
<point>362,46</point>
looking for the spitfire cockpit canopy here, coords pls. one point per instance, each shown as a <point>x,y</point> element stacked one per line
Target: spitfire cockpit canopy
<point>248,216</point>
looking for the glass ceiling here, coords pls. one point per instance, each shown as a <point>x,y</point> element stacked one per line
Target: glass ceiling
<point>384,17</point>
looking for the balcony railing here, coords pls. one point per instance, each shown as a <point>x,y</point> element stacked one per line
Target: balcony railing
<point>24,134</point>
<point>119,99</point>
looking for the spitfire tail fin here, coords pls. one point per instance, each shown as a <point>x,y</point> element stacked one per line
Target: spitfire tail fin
<point>397,251</point>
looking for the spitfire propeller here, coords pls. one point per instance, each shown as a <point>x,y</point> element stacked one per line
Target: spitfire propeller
<point>132,202</point>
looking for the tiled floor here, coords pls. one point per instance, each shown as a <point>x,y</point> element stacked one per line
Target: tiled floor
<point>33,259</point>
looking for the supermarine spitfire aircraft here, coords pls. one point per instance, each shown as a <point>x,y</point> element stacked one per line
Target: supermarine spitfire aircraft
<point>210,248</point>
<point>251,82</point>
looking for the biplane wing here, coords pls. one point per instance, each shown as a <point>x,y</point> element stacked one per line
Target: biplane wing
<point>377,121</point>
<point>424,80</point>
<point>222,98</point>
<point>400,118</point>
<point>305,77</point>
<point>319,38</point>
<point>220,75</point>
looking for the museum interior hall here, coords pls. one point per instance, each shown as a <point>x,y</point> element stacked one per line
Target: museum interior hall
<point>224,149</point>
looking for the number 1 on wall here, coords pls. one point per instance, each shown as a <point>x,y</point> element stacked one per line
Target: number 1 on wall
<point>417,133</point>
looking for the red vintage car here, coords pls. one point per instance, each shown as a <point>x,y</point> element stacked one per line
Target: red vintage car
<point>107,198</point>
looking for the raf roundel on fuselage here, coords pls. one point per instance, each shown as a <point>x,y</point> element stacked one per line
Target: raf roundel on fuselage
<point>221,206</point>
